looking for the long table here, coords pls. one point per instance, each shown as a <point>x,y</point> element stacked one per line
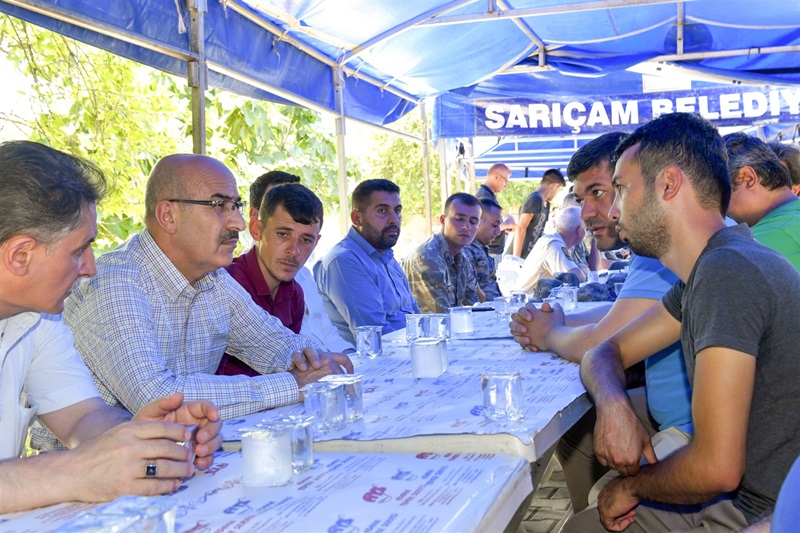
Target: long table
<point>343,492</point>
<point>403,414</point>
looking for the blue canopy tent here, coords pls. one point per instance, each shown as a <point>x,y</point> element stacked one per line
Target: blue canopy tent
<point>376,60</point>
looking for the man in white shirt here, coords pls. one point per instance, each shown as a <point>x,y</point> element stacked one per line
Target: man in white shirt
<point>46,233</point>
<point>552,253</point>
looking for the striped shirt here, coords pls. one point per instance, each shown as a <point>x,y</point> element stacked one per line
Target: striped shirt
<point>144,331</point>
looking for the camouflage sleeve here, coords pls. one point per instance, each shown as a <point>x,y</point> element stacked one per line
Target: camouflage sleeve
<point>428,279</point>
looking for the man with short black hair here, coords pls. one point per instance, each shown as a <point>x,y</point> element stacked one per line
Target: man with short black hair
<point>264,182</point>
<point>285,233</point>
<point>762,196</point>
<point>316,324</point>
<point>46,236</point>
<point>478,251</point>
<point>535,212</point>
<point>441,276</point>
<point>359,279</point>
<point>730,310</point>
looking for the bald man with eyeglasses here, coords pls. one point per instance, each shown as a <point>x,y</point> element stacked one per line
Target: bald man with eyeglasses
<point>161,311</point>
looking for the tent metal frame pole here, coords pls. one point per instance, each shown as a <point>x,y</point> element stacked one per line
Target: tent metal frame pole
<point>426,170</point>
<point>445,181</point>
<point>197,73</point>
<point>284,36</point>
<point>344,208</point>
<point>728,53</point>
<point>96,26</point>
<point>680,23</point>
<point>471,165</point>
<point>540,11</point>
<point>179,53</point>
<point>400,28</point>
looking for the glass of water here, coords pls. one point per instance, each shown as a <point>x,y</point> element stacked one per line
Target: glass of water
<point>368,341</point>
<point>502,396</point>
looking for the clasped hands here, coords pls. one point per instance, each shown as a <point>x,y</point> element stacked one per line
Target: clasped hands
<point>531,326</point>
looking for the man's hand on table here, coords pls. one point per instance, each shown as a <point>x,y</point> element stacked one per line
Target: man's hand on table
<point>530,326</point>
<point>202,414</point>
<point>309,365</point>
<point>620,439</point>
<point>115,463</point>
<point>617,504</point>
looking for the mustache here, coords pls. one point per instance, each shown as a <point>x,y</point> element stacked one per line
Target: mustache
<point>392,227</point>
<point>229,236</point>
<point>289,261</point>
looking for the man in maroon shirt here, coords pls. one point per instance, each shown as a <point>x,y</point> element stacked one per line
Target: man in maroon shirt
<point>285,233</point>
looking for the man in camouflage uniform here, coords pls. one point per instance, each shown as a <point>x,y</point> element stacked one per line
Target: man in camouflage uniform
<point>441,276</point>
<point>478,250</point>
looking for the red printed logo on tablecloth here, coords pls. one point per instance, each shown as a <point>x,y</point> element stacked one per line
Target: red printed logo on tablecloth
<point>377,495</point>
<point>427,455</point>
<point>216,468</point>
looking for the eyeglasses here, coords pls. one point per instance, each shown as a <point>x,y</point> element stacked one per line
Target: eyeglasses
<point>227,206</point>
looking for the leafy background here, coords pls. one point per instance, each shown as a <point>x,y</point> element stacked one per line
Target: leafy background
<point>125,116</point>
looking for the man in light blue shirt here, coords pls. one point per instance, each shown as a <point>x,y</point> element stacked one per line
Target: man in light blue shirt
<point>360,281</point>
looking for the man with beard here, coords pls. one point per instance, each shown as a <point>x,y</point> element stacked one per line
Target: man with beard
<point>666,403</point>
<point>730,311</point>
<point>161,311</point>
<point>285,233</point>
<point>359,279</point>
<point>441,276</point>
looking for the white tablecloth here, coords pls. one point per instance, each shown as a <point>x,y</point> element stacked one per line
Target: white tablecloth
<point>341,493</point>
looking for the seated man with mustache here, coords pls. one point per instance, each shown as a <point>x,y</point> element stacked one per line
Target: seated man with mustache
<point>285,233</point>
<point>359,280</point>
<point>161,311</point>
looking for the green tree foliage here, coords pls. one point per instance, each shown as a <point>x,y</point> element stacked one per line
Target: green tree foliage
<point>125,116</point>
<point>400,160</point>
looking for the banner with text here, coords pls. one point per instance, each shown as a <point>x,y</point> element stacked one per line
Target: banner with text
<point>728,106</point>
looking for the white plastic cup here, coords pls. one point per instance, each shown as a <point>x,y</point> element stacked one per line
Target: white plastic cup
<point>326,403</point>
<point>351,385</point>
<point>461,320</point>
<point>502,396</point>
<point>426,357</point>
<point>302,437</point>
<point>267,456</point>
<point>368,341</point>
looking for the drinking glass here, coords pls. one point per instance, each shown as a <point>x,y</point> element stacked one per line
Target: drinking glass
<point>502,396</point>
<point>368,341</point>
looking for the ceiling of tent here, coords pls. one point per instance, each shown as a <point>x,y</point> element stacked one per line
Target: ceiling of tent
<point>395,52</point>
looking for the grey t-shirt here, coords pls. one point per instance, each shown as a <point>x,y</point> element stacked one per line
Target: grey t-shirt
<point>746,297</point>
